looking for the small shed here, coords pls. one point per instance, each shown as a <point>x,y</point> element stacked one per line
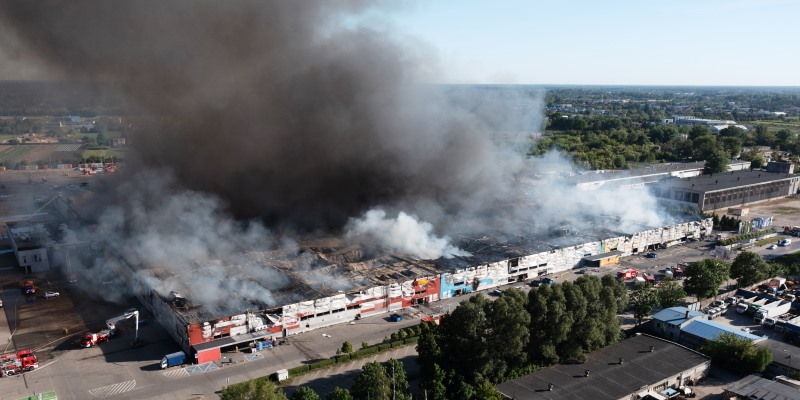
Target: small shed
<point>282,375</point>
<point>602,260</point>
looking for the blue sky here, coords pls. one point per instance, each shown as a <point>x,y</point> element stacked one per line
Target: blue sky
<point>676,42</point>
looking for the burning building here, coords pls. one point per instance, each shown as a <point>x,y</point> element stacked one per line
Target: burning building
<point>377,284</point>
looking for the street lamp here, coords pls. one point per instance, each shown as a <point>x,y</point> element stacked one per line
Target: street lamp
<point>789,356</point>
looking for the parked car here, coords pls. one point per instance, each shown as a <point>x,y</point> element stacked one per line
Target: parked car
<point>548,281</point>
<point>772,247</point>
<point>50,295</point>
<point>719,304</point>
<point>497,292</point>
<point>396,317</point>
<point>651,255</point>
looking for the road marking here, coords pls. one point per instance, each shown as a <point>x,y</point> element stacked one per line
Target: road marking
<point>252,357</point>
<point>176,373</point>
<point>201,368</point>
<point>114,389</point>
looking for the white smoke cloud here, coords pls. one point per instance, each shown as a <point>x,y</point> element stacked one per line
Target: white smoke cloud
<point>405,234</point>
<point>184,241</point>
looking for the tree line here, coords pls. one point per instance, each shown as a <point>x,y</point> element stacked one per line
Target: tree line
<point>483,342</point>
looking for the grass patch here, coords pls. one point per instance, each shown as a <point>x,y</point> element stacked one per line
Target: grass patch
<point>115,153</point>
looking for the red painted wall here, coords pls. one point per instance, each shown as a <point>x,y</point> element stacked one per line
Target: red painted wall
<point>208,355</point>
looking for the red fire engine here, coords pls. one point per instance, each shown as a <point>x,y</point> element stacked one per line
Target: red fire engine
<point>627,274</point>
<point>23,361</point>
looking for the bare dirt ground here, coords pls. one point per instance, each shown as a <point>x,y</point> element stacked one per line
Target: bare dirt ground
<point>784,211</point>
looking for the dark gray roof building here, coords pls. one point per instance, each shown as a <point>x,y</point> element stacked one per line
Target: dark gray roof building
<point>756,387</point>
<point>730,189</point>
<point>640,365</point>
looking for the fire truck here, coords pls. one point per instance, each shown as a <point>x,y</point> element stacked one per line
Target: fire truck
<point>22,361</point>
<point>92,339</point>
<point>28,287</point>
<point>627,274</point>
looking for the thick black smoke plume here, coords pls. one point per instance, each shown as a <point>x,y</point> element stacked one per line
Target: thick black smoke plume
<point>286,110</point>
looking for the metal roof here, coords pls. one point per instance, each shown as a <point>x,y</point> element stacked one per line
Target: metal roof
<point>608,379</point>
<point>727,180</point>
<point>603,256</point>
<point>710,330</point>
<point>756,387</point>
<point>675,315</point>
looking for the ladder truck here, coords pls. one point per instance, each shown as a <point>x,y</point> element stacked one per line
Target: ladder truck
<point>92,339</point>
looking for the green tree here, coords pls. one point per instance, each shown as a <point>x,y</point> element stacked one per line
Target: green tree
<point>372,383</point>
<point>704,146</point>
<point>508,322</point>
<point>339,394</point>
<point>255,389</point>
<point>730,352</point>
<point>347,347</point>
<point>757,162</point>
<point>670,293</point>
<point>428,351</point>
<point>397,376</point>
<point>550,323</point>
<point>704,277</point>
<point>763,137</point>
<point>731,145</point>
<point>716,162</point>
<point>619,289</point>
<point>434,384</point>
<point>305,393</point>
<point>748,268</point>
<point>486,391</point>
<point>463,339</point>
<point>698,131</point>
<point>643,299</point>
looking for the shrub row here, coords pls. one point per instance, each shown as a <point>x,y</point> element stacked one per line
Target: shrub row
<point>367,351</point>
<point>751,235</point>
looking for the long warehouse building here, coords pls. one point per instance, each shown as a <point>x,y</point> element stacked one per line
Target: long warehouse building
<point>378,284</point>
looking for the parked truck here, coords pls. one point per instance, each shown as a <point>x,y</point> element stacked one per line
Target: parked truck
<point>772,310</point>
<point>627,274</point>
<point>95,338</point>
<point>744,304</point>
<point>173,359</point>
<point>22,361</point>
<point>785,326</point>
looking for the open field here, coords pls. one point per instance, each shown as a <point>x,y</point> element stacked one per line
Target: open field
<point>774,126</point>
<point>52,153</point>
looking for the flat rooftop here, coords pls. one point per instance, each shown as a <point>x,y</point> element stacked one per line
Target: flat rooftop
<point>324,267</point>
<point>727,180</point>
<point>29,235</point>
<point>654,169</point>
<point>608,379</point>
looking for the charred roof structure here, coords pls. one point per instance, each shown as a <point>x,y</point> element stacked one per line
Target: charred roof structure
<point>327,281</point>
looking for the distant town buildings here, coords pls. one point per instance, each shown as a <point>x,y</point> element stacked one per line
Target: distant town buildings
<point>715,125</point>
